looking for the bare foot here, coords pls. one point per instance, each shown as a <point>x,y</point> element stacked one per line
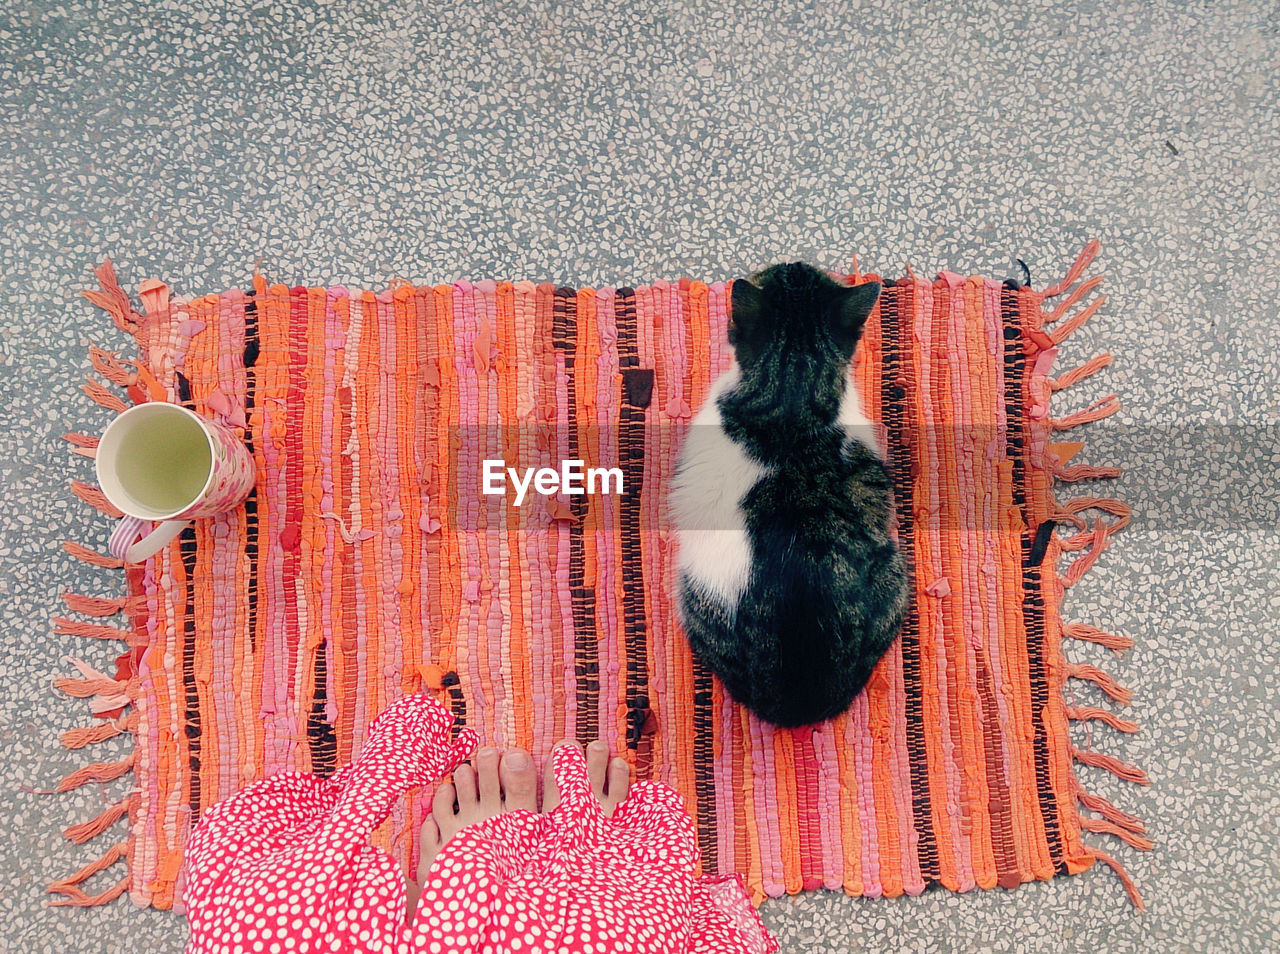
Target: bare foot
<point>493,786</point>
<point>610,778</point>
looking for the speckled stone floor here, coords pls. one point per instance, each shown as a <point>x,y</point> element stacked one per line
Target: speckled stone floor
<point>610,142</point>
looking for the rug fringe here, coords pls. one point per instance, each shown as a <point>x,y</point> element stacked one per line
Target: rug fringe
<point>107,364</point>
<point>1069,327</point>
<point>92,557</point>
<point>87,831</point>
<point>89,735</point>
<point>75,896</point>
<point>1086,472</point>
<point>1099,539</point>
<point>1085,538</point>
<point>1104,827</point>
<point>1091,714</point>
<point>108,697</point>
<point>1069,513</point>
<point>96,499</point>
<point>78,899</point>
<point>1094,635</point>
<point>75,627</point>
<point>99,606</point>
<point>1121,769</point>
<point>1080,372</point>
<point>1103,407</point>
<point>106,694</point>
<point>1097,803</point>
<point>88,688</point>
<point>1080,291</point>
<point>86,445</point>
<point>1100,679</point>
<point>1129,887</point>
<point>87,441</point>
<point>1090,541</point>
<point>1087,255</point>
<point>112,299</point>
<point>96,772</point>
<point>92,734</point>
<point>100,395</point>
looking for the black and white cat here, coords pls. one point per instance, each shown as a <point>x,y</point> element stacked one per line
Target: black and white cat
<point>791,588</point>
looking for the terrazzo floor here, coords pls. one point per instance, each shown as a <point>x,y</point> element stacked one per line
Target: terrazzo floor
<point>608,142</point>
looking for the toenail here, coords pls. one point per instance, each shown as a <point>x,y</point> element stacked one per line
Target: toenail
<point>518,761</point>
<point>487,752</point>
<point>599,745</point>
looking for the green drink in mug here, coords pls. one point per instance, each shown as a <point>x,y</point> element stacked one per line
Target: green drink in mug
<point>164,465</point>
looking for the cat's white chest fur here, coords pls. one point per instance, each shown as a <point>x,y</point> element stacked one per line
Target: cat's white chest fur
<point>714,475</point>
<point>855,424</point>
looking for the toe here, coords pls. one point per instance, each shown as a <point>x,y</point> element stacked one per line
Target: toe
<point>429,845</point>
<point>443,801</point>
<point>487,781</point>
<point>619,781</point>
<point>464,781</point>
<point>598,766</point>
<point>519,781</point>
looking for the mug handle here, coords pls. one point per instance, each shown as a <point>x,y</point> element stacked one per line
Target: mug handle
<point>123,547</point>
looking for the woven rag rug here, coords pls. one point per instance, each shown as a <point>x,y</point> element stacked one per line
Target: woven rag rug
<point>367,565</point>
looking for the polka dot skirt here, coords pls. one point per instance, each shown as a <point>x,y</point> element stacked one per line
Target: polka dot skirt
<point>285,866</point>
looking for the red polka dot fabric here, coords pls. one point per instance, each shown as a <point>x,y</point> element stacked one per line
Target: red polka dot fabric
<point>285,866</point>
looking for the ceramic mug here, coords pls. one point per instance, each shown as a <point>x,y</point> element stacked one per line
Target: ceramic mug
<point>163,464</point>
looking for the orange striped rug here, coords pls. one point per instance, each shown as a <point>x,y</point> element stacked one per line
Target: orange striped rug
<point>368,564</point>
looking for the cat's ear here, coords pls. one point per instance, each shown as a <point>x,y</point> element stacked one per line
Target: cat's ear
<point>744,316</point>
<point>851,312</point>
